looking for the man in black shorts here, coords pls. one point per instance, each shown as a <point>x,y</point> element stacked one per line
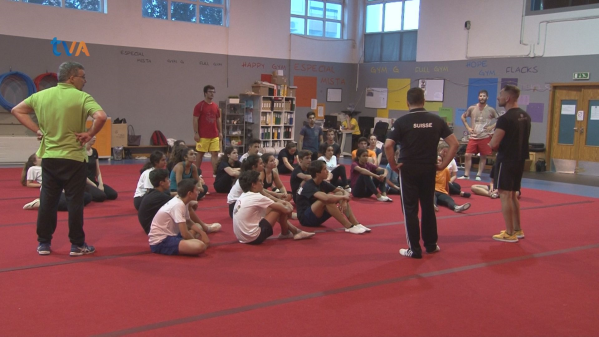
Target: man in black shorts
<point>511,142</point>
<point>418,135</point>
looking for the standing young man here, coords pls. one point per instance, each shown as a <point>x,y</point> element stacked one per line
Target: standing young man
<point>62,112</point>
<point>331,133</point>
<point>207,128</point>
<point>480,130</point>
<point>418,135</point>
<point>310,136</point>
<point>511,142</point>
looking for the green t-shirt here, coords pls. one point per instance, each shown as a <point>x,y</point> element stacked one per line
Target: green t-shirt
<point>61,112</point>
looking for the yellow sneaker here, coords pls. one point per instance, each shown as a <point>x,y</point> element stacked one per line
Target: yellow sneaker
<point>519,234</point>
<point>505,237</point>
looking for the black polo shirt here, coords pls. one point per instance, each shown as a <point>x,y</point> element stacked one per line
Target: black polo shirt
<point>305,196</point>
<point>418,134</point>
<point>296,181</point>
<point>150,204</point>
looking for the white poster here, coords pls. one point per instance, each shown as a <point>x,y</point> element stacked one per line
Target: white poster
<point>376,98</point>
<point>568,109</point>
<point>595,113</point>
<point>313,103</point>
<point>580,116</point>
<point>433,89</point>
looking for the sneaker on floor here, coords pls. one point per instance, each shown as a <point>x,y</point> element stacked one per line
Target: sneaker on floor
<point>389,199</point>
<point>303,235</point>
<point>409,253</point>
<point>461,208</point>
<point>466,195</point>
<point>282,236</point>
<point>477,178</point>
<point>82,250</point>
<point>355,230</point>
<point>32,205</point>
<point>519,234</point>
<point>44,248</point>
<point>213,228</point>
<point>494,195</point>
<point>347,189</point>
<point>436,250</point>
<point>383,199</point>
<point>464,177</point>
<point>505,237</point>
<point>366,229</point>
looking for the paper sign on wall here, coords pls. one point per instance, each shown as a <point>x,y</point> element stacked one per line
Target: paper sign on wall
<point>580,116</point>
<point>595,113</point>
<point>376,98</point>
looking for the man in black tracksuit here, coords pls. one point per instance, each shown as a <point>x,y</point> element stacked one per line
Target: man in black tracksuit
<point>418,135</point>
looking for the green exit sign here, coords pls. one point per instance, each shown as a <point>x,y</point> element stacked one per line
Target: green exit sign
<point>582,76</point>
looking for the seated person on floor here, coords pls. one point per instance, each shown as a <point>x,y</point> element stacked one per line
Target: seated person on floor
<point>393,184</point>
<point>318,200</point>
<point>372,140</point>
<point>252,163</point>
<point>337,174</point>
<point>271,180</point>
<point>287,157</point>
<point>368,179</point>
<point>160,195</point>
<point>157,160</point>
<point>172,231</point>
<point>255,215</point>
<point>172,159</point>
<point>31,176</point>
<point>228,171</point>
<point>489,190</point>
<point>363,144</point>
<point>187,169</point>
<point>300,174</point>
<point>95,184</point>
<point>454,187</point>
<point>253,148</point>
<point>442,191</point>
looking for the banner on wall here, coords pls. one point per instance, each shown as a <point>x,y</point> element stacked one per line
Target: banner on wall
<point>376,98</point>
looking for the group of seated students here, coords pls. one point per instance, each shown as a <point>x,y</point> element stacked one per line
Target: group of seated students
<point>95,189</point>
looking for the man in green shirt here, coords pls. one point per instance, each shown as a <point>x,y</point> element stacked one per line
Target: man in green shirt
<point>62,112</point>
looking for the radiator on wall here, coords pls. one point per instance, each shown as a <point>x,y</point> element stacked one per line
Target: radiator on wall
<point>17,149</point>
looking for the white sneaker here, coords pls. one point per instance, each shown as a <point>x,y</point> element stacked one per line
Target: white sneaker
<point>32,205</point>
<point>303,235</point>
<point>464,178</point>
<point>366,229</point>
<point>383,199</point>
<point>355,230</point>
<point>348,190</point>
<point>477,178</point>
<point>389,199</point>
<point>215,227</point>
<point>461,208</point>
<point>289,235</point>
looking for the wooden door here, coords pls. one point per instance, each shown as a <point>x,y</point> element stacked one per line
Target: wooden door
<point>588,128</point>
<point>574,130</point>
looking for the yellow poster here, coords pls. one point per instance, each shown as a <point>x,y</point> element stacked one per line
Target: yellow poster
<point>397,91</point>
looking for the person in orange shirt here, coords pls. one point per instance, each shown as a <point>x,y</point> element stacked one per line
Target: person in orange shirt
<point>442,191</point>
<point>363,144</point>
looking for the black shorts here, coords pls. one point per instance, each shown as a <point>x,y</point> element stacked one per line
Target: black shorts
<point>508,175</point>
<point>265,232</point>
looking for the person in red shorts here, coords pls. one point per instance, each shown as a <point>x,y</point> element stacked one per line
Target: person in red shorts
<point>481,127</point>
<point>207,128</point>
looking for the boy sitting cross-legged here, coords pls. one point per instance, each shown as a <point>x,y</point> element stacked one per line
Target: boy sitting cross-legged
<point>318,200</point>
<point>254,214</point>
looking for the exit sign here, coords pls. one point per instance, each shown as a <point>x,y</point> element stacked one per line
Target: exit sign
<point>582,76</point>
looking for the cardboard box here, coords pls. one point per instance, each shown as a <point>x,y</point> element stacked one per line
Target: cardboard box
<point>280,80</point>
<point>261,90</point>
<point>119,135</point>
<point>291,91</point>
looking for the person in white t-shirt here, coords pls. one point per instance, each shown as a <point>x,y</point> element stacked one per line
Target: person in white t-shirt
<point>157,160</point>
<point>454,187</point>
<point>255,215</point>
<point>172,231</point>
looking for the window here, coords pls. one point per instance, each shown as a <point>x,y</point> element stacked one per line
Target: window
<point>391,30</point>
<point>552,6</point>
<point>211,12</point>
<point>322,18</point>
<point>85,5</point>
